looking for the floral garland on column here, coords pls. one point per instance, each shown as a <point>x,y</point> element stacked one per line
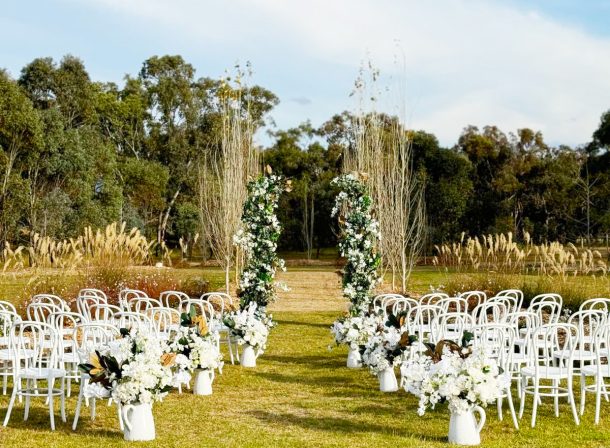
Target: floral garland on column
<point>258,238</point>
<point>357,242</point>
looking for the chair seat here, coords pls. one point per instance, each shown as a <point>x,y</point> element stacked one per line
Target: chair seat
<point>40,374</point>
<point>579,355</point>
<point>549,373</point>
<point>71,358</point>
<point>7,354</point>
<point>591,370</point>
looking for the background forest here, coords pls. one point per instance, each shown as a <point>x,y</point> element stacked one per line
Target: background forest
<point>76,152</point>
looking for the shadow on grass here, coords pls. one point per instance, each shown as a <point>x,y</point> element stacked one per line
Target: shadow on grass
<point>338,424</point>
<point>39,421</point>
<point>335,381</point>
<point>311,362</point>
<point>305,324</point>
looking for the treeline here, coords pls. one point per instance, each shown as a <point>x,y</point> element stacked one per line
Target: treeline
<point>77,152</point>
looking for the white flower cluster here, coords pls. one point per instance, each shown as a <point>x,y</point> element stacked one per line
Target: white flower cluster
<point>143,377</point>
<point>462,382</point>
<point>354,331</point>
<point>383,351</point>
<point>194,351</point>
<point>250,326</point>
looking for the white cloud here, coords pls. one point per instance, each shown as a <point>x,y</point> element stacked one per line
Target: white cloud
<point>467,62</point>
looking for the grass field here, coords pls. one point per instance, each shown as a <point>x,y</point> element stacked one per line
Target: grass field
<point>301,394</point>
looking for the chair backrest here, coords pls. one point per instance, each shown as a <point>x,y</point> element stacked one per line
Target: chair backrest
<point>549,308</point>
<point>34,345</point>
<point>545,342</point>
<point>223,300</point>
<point>202,308</point>
<point>547,297</point>
<point>388,303</point>
<point>51,299</point>
<point>511,303</point>
<point>473,298</point>
<point>404,305</point>
<point>497,341</point>
<point>164,319</point>
<point>600,303</point>
<point>515,293</point>
<point>453,304</point>
<point>129,319</point>
<point>451,326</point>
<point>432,298</point>
<point>126,295</point>
<point>104,313</point>
<point>143,304</point>
<point>489,312</point>
<point>421,318</point>
<point>172,299</point>
<point>84,304</point>
<point>89,337</point>
<point>8,306</point>
<point>63,319</point>
<point>588,322</point>
<point>523,320</point>
<point>92,292</point>
<point>7,318</point>
<point>40,311</point>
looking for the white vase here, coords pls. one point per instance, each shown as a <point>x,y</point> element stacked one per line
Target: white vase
<point>354,360</point>
<point>203,382</point>
<point>138,422</point>
<point>387,380</point>
<point>464,428</point>
<point>248,356</point>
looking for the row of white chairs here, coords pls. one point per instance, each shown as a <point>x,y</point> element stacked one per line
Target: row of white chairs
<point>50,342</point>
<point>536,351</point>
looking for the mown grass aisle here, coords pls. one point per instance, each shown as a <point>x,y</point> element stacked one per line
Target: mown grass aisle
<point>301,394</point>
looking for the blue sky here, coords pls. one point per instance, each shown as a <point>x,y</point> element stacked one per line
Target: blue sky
<point>544,64</point>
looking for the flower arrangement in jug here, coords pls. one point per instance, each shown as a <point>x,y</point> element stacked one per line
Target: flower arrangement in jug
<point>385,347</point>
<point>250,326</point>
<point>354,331</point>
<point>195,347</point>
<point>449,373</point>
<point>133,369</point>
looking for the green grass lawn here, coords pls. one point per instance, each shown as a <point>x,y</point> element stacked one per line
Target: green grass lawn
<point>301,394</point>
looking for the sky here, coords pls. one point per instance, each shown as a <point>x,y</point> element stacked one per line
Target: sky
<point>444,64</point>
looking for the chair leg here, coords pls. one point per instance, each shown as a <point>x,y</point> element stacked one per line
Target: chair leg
<point>572,401</point>
<point>50,400</point>
<point>16,387</point>
<point>583,392</point>
<point>499,406</point>
<point>121,424</point>
<point>556,397</point>
<point>26,412</point>
<point>598,396</point>
<point>78,405</point>
<point>536,398</point>
<point>511,406</point>
<point>522,398</point>
<point>93,404</point>
<point>63,400</point>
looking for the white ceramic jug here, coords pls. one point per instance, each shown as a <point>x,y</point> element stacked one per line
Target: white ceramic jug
<point>248,356</point>
<point>203,382</point>
<point>138,421</point>
<point>354,360</point>
<point>463,427</point>
<point>387,380</point>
